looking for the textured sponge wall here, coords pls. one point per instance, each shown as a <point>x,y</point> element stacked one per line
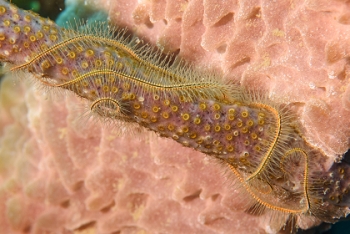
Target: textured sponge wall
<point>296,50</point>
<point>58,176</point>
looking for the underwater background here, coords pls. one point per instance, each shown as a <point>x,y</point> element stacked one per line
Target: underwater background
<point>55,9</point>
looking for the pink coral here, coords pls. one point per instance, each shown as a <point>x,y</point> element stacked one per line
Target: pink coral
<point>57,176</point>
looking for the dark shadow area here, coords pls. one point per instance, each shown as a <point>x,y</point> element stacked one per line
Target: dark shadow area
<point>45,8</point>
<point>342,227</point>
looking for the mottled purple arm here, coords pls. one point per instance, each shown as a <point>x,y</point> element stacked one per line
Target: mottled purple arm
<point>22,33</point>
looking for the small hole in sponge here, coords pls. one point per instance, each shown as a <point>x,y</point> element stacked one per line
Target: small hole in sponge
<point>86,228</point>
<point>241,62</point>
<point>255,13</point>
<point>27,229</point>
<point>215,197</point>
<point>65,204</point>
<point>221,49</point>
<point>193,196</point>
<point>108,207</point>
<point>77,186</point>
<point>116,232</point>
<point>148,23</point>
<point>344,19</point>
<point>224,20</point>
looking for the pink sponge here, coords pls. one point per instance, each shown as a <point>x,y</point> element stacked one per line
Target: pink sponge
<point>60,176</point>
<point>297,52</point>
